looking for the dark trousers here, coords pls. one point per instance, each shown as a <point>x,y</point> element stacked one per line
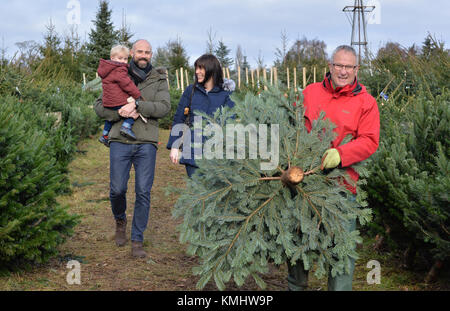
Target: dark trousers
<point>190,170</point>
<point>143,158</point>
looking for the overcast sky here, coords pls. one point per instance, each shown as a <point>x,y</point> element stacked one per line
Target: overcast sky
<point>256,25</point>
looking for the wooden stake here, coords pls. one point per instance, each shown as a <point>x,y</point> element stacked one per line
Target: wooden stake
<point>275,75</point>
<point>265,78</point>
<point>324,72</point>
<point>182,79</point>
<point>178,79</point>
<point>228,73</point>
<point>239,77</point>
<point>84,79</point>
<point>187,77</point>
<point>314,74</point>
<point>253,80</point>
<point>246,75</point>
<point>271,75</point>
<point>295,79</point>
<point>304,77</point>
<point>287,76</point>
<point>224,72</point>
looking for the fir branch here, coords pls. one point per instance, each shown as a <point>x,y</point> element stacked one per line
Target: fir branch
<point>269,178</point>
<point>305,195</point>
<point>312,171</point>
<point>212,193</point>
<point>245,226</point>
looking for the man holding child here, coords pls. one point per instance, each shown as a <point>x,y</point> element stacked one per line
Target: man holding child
<point>140,150</point>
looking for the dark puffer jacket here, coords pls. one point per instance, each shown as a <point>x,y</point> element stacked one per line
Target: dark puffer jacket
<point>207,102</point>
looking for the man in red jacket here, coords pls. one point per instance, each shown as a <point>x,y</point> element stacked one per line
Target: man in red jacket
<point>354,111</point>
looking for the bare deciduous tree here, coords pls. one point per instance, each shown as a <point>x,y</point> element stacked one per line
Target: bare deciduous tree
<point>281,53</point>
<point>28,54</point>
<point>239,59</point>
<point>211,41</point>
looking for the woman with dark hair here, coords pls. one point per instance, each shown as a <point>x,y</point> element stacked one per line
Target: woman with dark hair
<point>209,92</point>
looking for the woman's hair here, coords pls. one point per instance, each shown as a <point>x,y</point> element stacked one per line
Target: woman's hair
<point>118,49</point>
<point>212,69</point>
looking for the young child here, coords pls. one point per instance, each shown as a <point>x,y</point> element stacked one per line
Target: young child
<point>118,89</point>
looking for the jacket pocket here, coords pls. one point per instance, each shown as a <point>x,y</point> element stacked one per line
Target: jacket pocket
<point>146,132</point>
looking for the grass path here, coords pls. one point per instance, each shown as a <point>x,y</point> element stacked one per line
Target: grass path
<point>107,267</point>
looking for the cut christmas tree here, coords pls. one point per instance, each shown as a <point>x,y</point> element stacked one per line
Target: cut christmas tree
<point>238,217</point>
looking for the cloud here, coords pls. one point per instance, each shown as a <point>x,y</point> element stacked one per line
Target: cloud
<point>254,24</point>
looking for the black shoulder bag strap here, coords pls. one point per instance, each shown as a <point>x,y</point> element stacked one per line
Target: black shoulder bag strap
<point>187,110</point>
<point>187,114</point>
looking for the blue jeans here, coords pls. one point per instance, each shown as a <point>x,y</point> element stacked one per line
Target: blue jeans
<point>143,158</point>
<point>128,122</point>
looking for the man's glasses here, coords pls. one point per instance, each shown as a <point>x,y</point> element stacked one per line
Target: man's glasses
<point>347,67</point>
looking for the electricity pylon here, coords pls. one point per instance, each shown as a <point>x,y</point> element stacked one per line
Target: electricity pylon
<point>359,25</point>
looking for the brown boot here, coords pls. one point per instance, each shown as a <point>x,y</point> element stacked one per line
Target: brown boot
<point>121,232</point>
<point>137,250</point>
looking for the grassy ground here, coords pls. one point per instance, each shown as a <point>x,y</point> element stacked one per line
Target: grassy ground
<point>107,267</point>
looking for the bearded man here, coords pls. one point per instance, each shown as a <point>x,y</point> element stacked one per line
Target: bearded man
<point>141,152</point>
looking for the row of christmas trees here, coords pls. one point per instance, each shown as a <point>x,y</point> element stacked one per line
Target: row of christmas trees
<point>40,126</point>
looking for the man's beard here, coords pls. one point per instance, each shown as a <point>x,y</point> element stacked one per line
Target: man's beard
<point>141,63</point>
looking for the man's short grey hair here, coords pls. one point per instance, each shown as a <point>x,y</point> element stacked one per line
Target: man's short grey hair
<point>139,40</point>
<point>346,48</point>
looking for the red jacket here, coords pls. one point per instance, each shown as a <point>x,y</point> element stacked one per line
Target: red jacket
<point>117,85</point>
<point>353,111</point>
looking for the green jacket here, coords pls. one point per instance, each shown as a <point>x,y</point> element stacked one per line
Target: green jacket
<point>156,105</point>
